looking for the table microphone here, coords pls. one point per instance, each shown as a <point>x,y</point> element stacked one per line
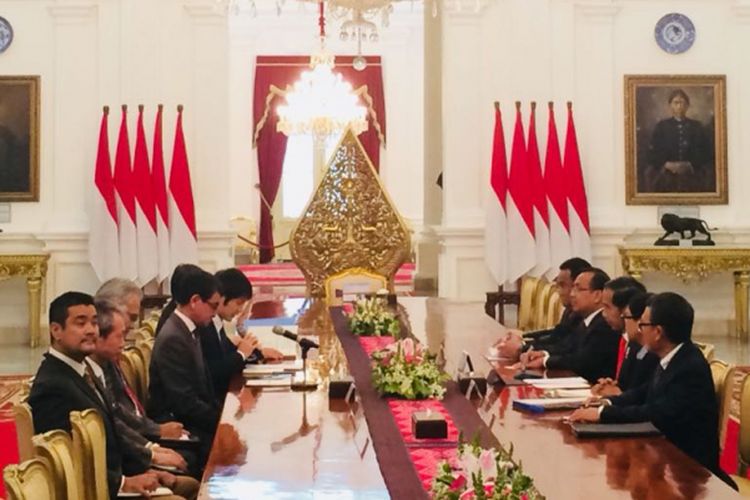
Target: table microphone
<point>305,343</point>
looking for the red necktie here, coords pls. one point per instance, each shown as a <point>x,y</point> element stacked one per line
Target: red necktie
<point>130,393</point>
<point>620,356</point>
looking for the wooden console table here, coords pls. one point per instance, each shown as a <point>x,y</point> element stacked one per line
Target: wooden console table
<point>34,268</point>
<point>696,263</point>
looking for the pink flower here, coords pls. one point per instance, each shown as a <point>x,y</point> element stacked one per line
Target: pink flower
<point>524,496</point>
<point>407,346</point>
<point>487,463</point>
<point>458,483</point>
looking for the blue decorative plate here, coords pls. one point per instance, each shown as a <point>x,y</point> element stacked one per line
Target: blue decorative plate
<point>675,33</point>
<point>6,34</point>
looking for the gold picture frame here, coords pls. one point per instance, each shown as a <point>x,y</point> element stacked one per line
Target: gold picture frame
<point>679,159</point>
<point>19,138</point>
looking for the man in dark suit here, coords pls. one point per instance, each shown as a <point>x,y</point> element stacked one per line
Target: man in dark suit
<point>594,351</point>
<point>180,386</point>
<point>174,284</point>
<point>554,340</point>
<point>109,347</point>
<point>223,358</point>
<point>635,364</point>
<point>64,384</point>
<point>680,399</point>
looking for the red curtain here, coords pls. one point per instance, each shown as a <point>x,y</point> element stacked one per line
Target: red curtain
<point>272,75</point>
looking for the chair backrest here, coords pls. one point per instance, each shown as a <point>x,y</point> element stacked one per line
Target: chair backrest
<point>706,349</point>
<point>57,448</point>
<point>90,453</point>
<point>24,430</point>
<point>554,309</point>
<point>719,371</point>
<point>133,369</point>
<point>529,288</point>
<point>355,280</point>
<point>541,303</point>
<point>31,480</point>
<point>143,351</point>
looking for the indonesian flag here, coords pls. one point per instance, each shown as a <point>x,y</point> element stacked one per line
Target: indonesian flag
<point>580,232</point>
<point>554,182</point>
<point>159,186</point>
<point>183,241</point>
<point>495,229</point>
<point>145,210</point>
<point>104,246</point>
<point>126,203</point>
<point>521,251</point>
<point>538,200</point>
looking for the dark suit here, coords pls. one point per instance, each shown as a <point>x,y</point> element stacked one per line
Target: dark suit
<point>221,357</point>
<point>58,389</point>
<point>165,314</point>
<point>116,388</point>
<point>181,387</point>
<point>681,402</point>
<point>637,368</point>
<point>594,353</point>
<point>557,340</point>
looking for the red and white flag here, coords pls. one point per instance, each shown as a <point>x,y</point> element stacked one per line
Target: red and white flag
<point>183,240</point>
<point>539,199</point>
<point>495,229</point>
<point>104,246</point>
<point>580,232</point>
<point>554,182</point>
<point>159,185</point>
<point>145,209</point>
<point>126,203</point>
<point>521,245</point>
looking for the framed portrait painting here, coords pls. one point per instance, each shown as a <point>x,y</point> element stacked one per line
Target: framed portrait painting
<point>19,138</point>
<point>675,140</point>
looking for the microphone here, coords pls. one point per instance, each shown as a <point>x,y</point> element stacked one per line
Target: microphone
<point>304,343</point>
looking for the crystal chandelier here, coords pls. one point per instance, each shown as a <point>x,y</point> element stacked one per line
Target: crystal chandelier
<point>321,102</point>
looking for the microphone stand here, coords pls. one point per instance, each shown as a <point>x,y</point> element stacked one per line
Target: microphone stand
<point>305,385</point>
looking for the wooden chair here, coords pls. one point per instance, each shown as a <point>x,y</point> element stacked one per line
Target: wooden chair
<point>719,371</point>
<point>90,453</point>
<point>541,303</point>
<point>57,448</point>
<point>31,480</point>
<point>131,364</point>
<point>706,349</point>
<point>354,280</point>
<point>744,445</point>
<point>143,350</point>
<point>24,431</point>
<point>529,289</point>
<point>554,310</point>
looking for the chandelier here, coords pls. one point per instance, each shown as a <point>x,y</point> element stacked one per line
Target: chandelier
<point>321,102</point>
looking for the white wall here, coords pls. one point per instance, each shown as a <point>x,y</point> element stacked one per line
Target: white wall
<point>97,52</point>
<point>579,50</point>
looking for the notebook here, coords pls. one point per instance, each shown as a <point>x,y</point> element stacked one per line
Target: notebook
<point>540,405</point>
<point>158,492</point>
<point>253,371</point>
<point>614,430</point>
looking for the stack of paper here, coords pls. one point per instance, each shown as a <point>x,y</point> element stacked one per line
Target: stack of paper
<point>254,371</point>
<point>540,405</point>
<point>567,393</point>
<point>277,380</point>
<point>559,383</point>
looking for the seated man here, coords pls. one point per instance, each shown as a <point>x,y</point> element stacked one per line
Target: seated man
<point>556,339</point>
<point>109,347</point>
<point>126,294</point>
<point>594,352</point>
<point>65,383</point>
<point>174,284</point>
<point>635,364</point>
<point>223,358</point>
<point>680,399</point>
<point>180,385</point>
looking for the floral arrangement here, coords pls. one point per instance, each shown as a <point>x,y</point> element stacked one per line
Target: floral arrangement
<point>405,369</point>
<point>371,318</point>
<point>482,474</point>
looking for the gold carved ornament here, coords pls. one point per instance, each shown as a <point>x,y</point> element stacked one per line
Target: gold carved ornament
<point>686,264</point>
<point>349,222</point>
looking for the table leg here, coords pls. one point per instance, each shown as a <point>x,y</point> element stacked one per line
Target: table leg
<point>34,288</point>
<point>741,287</point>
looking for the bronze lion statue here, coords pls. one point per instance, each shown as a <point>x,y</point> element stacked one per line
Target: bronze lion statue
<point>675,224</point>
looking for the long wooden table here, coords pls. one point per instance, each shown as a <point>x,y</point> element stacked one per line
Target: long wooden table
<point>283,444</point>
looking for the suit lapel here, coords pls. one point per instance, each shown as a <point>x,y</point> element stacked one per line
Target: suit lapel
<point>79,382</point>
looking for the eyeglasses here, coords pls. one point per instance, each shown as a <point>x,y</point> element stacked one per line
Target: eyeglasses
<point>627,316</point>
<point>641,325</point>
<point>212,305</point>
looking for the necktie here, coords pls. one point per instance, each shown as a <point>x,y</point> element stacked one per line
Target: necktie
<point>88,376</point>
<point>620,356</point>
<point>657,375</point>
<point>129,393</point>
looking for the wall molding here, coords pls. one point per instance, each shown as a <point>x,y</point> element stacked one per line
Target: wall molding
<point>73,13</point>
